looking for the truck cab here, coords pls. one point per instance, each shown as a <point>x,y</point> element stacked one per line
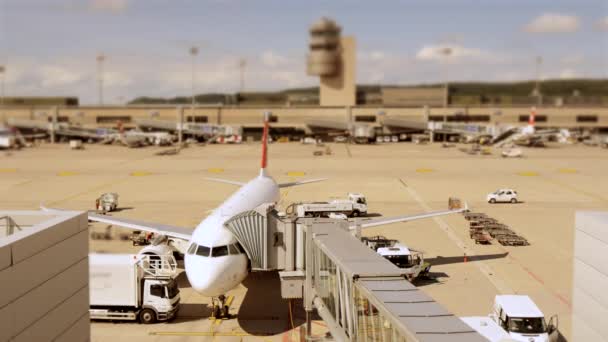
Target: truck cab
<point>520,317</point>
<point>359,202</point>
<point>162,297</point>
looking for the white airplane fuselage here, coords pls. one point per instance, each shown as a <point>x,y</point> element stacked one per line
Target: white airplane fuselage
<point>211,275</point>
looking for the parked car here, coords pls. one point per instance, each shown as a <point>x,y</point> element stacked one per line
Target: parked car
<point>502,195</point>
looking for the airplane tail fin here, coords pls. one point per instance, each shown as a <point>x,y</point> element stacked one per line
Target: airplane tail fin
<point>530,129</point>
<point>265,145</point>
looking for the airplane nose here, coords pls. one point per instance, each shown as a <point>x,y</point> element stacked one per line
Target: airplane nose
<point>200,275</point>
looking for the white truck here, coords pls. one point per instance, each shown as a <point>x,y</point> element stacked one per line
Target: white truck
<point>133,287</point>
<point>400,255</point>
<point>354,206</point>
<point>518,318</point>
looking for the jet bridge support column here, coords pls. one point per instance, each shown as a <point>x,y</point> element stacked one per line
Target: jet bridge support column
<point>308,282</point>
<point>53,125</point>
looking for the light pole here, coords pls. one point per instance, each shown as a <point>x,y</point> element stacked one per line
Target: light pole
<point>446,51</point>
<point>2,71</point>
<point>242,66</point>
<point>100,59</point>
<point>193,53</point>
<point>536,91</point>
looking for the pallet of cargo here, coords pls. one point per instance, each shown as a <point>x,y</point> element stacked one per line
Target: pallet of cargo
<point>472,216</point>
<point>481,236</point>
<point>512,240</point>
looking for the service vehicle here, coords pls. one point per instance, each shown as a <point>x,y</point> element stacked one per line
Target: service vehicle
<point>519,316</point>
<point>133,287</point>
<point>400,255</point>
<point>512,153</point>
<point>107,202</point>
<point>355,205</point>
<point>502,195</point>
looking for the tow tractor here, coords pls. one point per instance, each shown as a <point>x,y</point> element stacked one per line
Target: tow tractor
<point>400,255</point>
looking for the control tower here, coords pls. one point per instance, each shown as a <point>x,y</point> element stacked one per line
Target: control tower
<point>332,58</point>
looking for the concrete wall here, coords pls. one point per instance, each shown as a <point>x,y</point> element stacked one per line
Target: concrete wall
<point>590,290</point>
<point>44,278</point>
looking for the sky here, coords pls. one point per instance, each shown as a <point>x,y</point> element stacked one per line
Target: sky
<point>49,47</point>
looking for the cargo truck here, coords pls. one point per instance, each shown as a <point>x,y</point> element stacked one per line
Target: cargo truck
<point>133,287</point>
<point>354,206</point>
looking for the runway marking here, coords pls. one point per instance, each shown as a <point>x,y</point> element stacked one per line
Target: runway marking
<point>140,173</point>
<point>8,170</point>
<point>567,171</point>
<point>486,270</point>
<point>528,173</point>
<point>24,182</point>
<point>296,173</point>
<point>215,170</point>
<point>66,173</point>
<point>577,190</point>
<point>424,170</point>
<point>95,188</point>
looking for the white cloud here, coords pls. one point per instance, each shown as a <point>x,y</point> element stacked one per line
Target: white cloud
<point>569,73</point>
<point>445,52</point>
<point>602,24</point>
<point>272,59</point>
<point>553,23</point>
<point>112,6</point>
<point>56,76</point>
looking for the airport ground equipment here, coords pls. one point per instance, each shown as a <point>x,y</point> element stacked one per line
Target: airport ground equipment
<point>76,144</point>
<point>131,287</point>
<point>107,202</point>
<point>355,205</point>
<point>519,316</point>
<point>502,195</point>
<point>512,153</point>
<point>411,261</point>
<point>484,230</point>
<point>139,238</point>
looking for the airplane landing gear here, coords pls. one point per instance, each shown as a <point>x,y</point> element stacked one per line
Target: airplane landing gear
<point>220,309</point>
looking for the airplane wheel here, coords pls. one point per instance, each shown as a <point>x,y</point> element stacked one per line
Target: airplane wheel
<point>216,311</point>
<point>226,311</point>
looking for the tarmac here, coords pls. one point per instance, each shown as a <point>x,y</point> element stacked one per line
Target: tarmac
<point>399,178</point>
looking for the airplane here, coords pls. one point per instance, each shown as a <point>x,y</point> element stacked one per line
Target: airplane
<point>214,260</point>
<point>529,135</point>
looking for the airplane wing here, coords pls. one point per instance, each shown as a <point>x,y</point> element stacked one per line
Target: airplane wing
<point>286,185</point>
<point>172,231</point>
<point>405,218</point>
<point>227,181</point>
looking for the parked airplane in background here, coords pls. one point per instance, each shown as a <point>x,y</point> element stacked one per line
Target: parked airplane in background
<point>215,262</point>
<point>529,135</point>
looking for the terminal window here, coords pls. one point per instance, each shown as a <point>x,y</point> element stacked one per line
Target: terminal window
<point>104,119</point>
<point>365,118</point>
<point>197,118</point>
<point>60,118</point>
<point>586,118</point>
<point>468,118</point>
<point>537,118</point>
<point>273,118</point>
<point>436,118</point>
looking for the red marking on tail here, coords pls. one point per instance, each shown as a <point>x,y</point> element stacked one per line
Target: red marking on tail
<point>532,116</point>
<point>265,141</point>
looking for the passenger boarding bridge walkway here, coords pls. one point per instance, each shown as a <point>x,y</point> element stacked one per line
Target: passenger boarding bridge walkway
<point>364,297</point>
<point>359,294</point>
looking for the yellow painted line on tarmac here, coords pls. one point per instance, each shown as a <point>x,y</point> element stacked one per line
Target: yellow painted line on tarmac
<point>66,173</point>
<point>424,170</point>
<point>578,190</point>
<point>8,170</point>
<point>296,174</point>
<point>528,173</point>
<point>567,171</point>
<point>215,170</point>
<point>140,173</point>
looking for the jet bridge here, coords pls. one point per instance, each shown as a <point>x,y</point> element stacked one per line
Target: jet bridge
<point>360,295</point>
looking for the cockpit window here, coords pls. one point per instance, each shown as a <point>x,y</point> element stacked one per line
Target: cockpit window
<point>219,251</point>
<point>192,248</point>
<point>203,251</point>
<point>233,249</point>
